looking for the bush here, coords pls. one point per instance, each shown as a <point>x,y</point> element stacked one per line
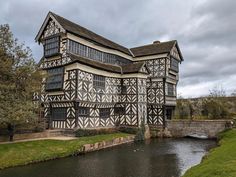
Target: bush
<point>137,131</point>
<point>215,108</point>
<point>23,129</point>
<point>182,110</point>
<point>93,132</point>
<point>130,130</point>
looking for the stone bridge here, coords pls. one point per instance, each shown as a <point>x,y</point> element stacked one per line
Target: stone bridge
<point>208,128</point>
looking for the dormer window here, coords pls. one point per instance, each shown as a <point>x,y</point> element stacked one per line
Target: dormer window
<point>52,46</point>
<point>174,64</point>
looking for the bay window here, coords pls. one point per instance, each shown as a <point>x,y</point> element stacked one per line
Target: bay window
<point>55,79</point>
<point>51,46</point>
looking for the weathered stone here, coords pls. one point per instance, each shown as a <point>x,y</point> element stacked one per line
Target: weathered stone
<point>116,140</point>
<point>96,146</point>
<point>147,134</point>
<point>100,145</point>
<point>109,143</point>
<point>87,147</point>
<point>166,133</point>
<point>105,144</point>
<point>182,128</point>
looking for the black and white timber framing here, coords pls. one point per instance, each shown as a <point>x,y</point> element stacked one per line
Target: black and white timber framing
<point>93,82</point>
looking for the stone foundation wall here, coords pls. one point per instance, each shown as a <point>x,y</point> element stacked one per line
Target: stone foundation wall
<point>105,144</point>
<point>44,134</point>
<point>182,128</point>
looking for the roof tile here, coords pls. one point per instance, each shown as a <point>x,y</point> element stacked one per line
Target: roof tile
<point>85,33</point>
<point>152,49</point>
<point>125,69</point>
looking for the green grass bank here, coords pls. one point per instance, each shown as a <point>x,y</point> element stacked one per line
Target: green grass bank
<point>221,161</point>
<point>22,153</point>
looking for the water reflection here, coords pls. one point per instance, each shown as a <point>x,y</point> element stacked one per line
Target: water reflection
<point>159,158</point>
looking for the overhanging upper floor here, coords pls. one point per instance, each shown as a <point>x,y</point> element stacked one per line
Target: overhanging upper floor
<point>65,30</point>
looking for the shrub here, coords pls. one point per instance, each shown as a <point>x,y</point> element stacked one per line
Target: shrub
<point>130,130</point>
<point>182,110</point>
<point>93,132</point>
<point>215,108</point>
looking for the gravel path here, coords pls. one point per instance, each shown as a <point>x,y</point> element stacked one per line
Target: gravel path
<point>64,138</point>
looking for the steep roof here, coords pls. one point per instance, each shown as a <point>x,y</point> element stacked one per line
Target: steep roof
<point>85,33</point>
<point>152,49</point>
<point>133,67</point>
<point>125,69</point>
<point>71,27</point>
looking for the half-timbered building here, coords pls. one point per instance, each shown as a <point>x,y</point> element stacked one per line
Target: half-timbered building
<point>92,82</point>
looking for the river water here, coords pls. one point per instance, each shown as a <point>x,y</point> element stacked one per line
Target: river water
<point>154,158</point>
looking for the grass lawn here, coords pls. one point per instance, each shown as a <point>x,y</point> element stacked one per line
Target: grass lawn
<point>22,153</point>
<point>221,161</point>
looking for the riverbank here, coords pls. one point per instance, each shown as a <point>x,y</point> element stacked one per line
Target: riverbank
<point>23,153</point>
<point>157,157</point>
<point>221,161</point>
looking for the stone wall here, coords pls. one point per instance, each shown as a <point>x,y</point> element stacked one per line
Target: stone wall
<point>105,144</point>
<point>209,128</point>
<point>44,134</point>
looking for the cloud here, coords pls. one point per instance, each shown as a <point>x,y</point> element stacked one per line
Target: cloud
<point>205,30</point>
<point>208,41</point>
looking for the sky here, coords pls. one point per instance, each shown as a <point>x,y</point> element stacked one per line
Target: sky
<point>205,31</point>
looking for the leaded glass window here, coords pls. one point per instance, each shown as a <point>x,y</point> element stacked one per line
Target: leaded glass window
<point>170,89</point>
<point>104,113</point>
<point>94,54</point>
<point>77,48</point>
<point>109,58</point>
<point>59,113</point>
<point>98,81</point>
<point>119,110</point>
<point>55,79</point>
<point>83,111</point>
<point>52,46</point>
<point>174,64</point>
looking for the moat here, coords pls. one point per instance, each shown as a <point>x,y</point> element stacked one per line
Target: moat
<point>158,157</point>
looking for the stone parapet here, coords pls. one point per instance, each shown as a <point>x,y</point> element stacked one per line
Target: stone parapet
<point>209,128</point>
<point>105,144</point>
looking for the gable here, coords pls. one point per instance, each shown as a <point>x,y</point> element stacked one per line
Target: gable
<point>144,69</point>
<point>176,53</point>
<point>153,49</point>
<point>49,27</point>
<point>65,25</point>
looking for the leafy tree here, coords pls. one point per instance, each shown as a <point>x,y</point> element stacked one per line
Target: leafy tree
<point>19,78</point>
<point>215,109</point>
<point>215,106</point>
<point>182,110</point>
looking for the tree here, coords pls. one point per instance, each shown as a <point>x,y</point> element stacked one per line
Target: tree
<point>19,78</point>
<point>182,110</point>
<point>215,106</point>
<point>217,91</point>
<point>233,93</point>
<point>215,109</point>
